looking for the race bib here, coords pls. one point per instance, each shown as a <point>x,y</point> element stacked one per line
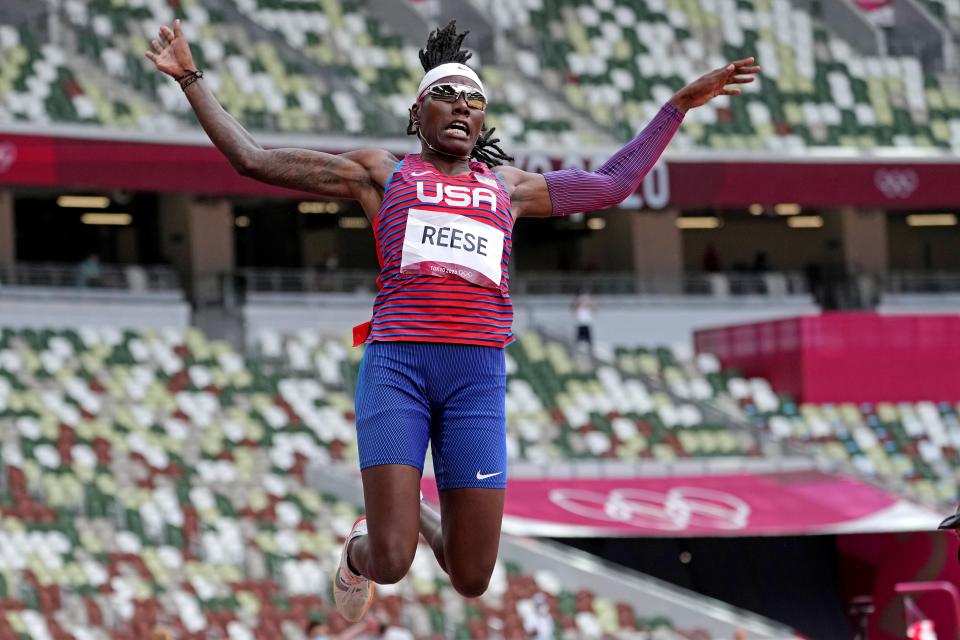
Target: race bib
<point>452,246</point>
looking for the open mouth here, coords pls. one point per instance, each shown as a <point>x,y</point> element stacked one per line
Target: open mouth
<point>458,130</point>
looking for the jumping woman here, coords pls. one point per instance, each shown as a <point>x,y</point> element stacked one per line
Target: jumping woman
<point>433,370</point>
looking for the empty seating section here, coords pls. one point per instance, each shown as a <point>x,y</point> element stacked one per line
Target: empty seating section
<point>159,478</point>
<point>38,86</point>
<point>384,67</point>
<point>356,47</point>
<point>335,67</point>
<point>917,446</point>
<point>251,79</point>
<point>618,61</point>
<point>914,446</point>
<point>556,412</point>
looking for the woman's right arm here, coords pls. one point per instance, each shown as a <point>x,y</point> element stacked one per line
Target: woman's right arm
<point>357,175</point>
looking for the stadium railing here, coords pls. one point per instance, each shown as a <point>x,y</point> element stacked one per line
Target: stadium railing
<point>286,280</point>
<point>306,280</point>
<point>105,276</point>
<point>545,282</point>
<point>921,282</point>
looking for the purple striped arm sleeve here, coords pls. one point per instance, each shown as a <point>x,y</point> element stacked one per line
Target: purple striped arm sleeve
<point>575,190</point>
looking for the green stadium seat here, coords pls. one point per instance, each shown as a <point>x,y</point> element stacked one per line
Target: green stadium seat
<point>160,474</point>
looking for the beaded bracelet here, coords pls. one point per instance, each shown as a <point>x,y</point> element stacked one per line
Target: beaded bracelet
<point>188,79</point>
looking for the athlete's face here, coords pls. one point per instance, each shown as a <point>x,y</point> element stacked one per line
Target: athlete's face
<point>452,127</point>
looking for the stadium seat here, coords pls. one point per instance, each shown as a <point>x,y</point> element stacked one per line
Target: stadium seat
<point>335,67</point>
<point>618,61</point>
<point>38,85</point>
<point>914,446</point>
<point>158,477</point>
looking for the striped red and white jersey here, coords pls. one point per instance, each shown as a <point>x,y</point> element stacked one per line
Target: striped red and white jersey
<point>444,248</point>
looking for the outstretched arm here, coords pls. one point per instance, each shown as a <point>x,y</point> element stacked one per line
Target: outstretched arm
<point>358,175</point>
<point>573,190</point>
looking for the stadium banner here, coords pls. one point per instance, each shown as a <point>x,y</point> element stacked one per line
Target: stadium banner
<point>726,181</point>
<point>769,504</point>
<point>27,160</point>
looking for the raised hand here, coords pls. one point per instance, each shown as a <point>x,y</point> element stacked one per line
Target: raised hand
<point>171,53</point>
<point>713,84</point>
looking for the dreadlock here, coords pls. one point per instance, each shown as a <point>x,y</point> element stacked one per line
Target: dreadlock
<point>443,46</point>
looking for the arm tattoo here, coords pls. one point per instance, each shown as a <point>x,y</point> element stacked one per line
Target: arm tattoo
<point>293,168</point>
<point>312,171</point>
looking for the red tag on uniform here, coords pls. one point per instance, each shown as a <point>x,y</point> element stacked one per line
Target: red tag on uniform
<point>361,332</point>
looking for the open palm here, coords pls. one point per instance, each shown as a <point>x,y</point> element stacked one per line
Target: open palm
<point>716,83</point>
<point>171,53</point>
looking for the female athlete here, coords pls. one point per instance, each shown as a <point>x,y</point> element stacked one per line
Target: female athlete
<point>433,369</point>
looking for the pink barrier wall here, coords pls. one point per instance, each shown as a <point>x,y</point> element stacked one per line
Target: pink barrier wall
<point>734,504</point>
<point>872,564</point>
<point>846,357</point>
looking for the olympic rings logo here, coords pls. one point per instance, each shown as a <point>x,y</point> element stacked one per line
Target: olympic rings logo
<point>896,183</point>
<point>8,155</point>
<point>678,509</point>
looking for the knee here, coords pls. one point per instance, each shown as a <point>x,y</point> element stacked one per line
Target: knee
<point>470,584</point>
<point>391,562</point>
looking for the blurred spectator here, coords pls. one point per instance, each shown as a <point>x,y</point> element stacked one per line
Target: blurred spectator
<point>88,271</point>
<point>331,262</point>
<point>539,624</point>
<point>136,277</point>
<point>711,259</point>
<point>583,318</point>
<point>761,264</point>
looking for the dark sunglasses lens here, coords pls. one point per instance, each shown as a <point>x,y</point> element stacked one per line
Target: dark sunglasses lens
<point>450,93</point>
<point>443,91</point>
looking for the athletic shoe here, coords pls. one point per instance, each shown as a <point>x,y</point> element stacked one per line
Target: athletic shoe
<point>352,594</point>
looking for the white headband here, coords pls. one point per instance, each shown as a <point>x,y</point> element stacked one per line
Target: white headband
<point>445,71</point>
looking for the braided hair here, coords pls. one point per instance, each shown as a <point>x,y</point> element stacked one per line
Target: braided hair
<point>443,46</point>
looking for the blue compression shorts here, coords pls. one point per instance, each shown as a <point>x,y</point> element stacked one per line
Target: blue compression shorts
<point>452,395</point>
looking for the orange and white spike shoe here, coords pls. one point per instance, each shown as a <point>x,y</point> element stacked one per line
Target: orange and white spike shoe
<point>352,594</point>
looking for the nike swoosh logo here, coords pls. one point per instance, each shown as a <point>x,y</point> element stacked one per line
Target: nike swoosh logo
<point>420,173</point>
<point>484,476</point>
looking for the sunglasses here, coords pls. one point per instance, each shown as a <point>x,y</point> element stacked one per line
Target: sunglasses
<point>450,92</point>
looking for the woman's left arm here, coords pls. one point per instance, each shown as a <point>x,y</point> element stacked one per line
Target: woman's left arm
<point>569,191</point>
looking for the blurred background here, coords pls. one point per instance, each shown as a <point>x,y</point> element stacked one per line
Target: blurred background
<point>734,401</point>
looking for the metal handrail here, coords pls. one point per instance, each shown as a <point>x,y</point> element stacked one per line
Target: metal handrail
<point>921,282</point>
<point>299,280</point>
<point>773,284</point>
<point>104,276</point>
<point>307,280</point>
<point>934,586</point>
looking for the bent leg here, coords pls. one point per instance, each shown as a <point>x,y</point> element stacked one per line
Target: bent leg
<point>471,537</point>
<point>432,531</point>
<point>393,427</point>
<point>391,494</point>
<point>470,462</point>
